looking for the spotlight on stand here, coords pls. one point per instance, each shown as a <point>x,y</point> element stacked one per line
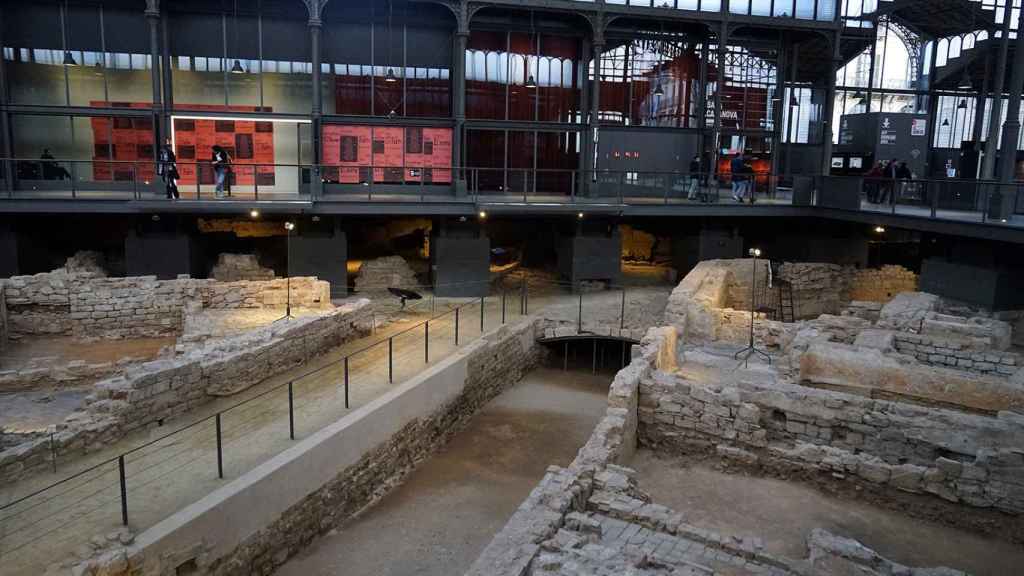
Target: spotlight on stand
<point>580,216</point>
<point>254,213</point>
<point>236,68</point>
<point>289,226</point>
<point>879,229</point>
<point>483,215</point>
<point>751,349</point>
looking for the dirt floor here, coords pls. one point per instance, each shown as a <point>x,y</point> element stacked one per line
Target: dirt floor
<point>784,513</point>
<point>35,410</point>
<point>448,510</point>
<point>62,350</point>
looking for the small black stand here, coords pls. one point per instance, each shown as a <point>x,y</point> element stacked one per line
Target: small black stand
<point>751,349</point>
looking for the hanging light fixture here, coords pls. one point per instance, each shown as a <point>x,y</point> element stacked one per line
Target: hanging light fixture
<point>945,123</point>
<point>658,89</point>
<point>236,67</point>
<point>69,60</point>
<point>965,81</point>
<point>531,82</point>
<point>962,105</point>
<point>390,76</point>
<point>793,101</point>
<point>858,95</point>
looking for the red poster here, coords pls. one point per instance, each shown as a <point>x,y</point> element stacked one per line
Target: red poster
<point>393,154</point>
<point>248,142</point>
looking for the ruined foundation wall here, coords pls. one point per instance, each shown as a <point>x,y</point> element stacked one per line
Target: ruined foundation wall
<point>328,477</point>
<point>962,458</point>
<point>881,284</point>
<point>162,389</point>
<point>87,305</point>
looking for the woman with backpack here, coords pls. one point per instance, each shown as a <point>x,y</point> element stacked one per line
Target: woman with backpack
<point>221,165</point>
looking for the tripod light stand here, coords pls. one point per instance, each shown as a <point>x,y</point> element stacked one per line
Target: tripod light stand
<point>750,350</point>
<point>289,226</point>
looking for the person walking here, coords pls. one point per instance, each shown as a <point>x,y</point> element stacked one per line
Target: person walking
<point>889,182</point>
<point>694,184</point>
<point>738,179</point>
<point>221,164</point>
<point>168,169</point>
<point>871,181</point>
<point>749,181</point>
<point>906,178</point>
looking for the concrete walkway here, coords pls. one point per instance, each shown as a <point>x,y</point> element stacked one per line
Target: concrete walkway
<point>438,521</point>
<point>175,472</point>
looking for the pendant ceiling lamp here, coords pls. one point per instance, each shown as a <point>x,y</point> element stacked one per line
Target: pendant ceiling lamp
<point>236,66</point>
<point>390,76</point>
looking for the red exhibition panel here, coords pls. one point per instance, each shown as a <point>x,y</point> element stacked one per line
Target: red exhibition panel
<point>248,142</point>
<point>393,154</point>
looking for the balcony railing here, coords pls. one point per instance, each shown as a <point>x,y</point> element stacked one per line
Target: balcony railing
<point>976,201</point>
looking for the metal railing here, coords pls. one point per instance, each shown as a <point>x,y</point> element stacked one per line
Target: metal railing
<point>962,200</point>
<point>143,484</point>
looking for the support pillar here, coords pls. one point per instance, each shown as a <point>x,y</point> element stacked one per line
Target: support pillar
<point>723,41</point>
<point>315,9</point>
<point>1011,129</point>
<point>988,165</point>
<point>459,100</point>
<point>165,70</point>
<point>781,104</point>
<point>320,248</point>
<point>702,104</point>
<point>592,252</point>
<point>6,150</point>
<point>153,20</point>
<point>593,131</point>
<point>584,106</point>
<point>830,105</point>
<point>460,259</point>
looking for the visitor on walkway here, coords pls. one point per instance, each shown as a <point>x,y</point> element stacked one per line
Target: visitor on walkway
<point>738,178</point>
<point>872,184</point>
<point>889,182</point>
<point>221,165</point>
<point>52,170</point>
<point>168,169</point>
<point>748,182</point>
<point>906,178</point>
<point>694,184</point>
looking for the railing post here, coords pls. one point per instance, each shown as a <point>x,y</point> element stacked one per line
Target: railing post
<point>391,366</point>
<point>622,312</point>
<point>124,491</point>
<point>522,297</point>
<point>593,368</point>
<point>426,342</point>
<point>72,179</point>
<point>220,448</point>
<point>934,197</point>
<point>456,326</point>
<point>579,315</point>
<point>503,306</point>
<point>53,454</point>
<point>346,382</point>
<point>482,314</point>
<point>291,411</point>
<point>256,190</point>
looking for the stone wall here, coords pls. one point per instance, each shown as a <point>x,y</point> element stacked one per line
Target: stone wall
<point>382,273</point>
<point>951,353</point>
<point>817,288</point>
<point>592,517</point>
<point>86,305</point>
<point>962,458</point>
<point>46,373</point>
<point>257,522</point>
<point>234,267</point>
<point>165,388</point>
<point>881,284</point>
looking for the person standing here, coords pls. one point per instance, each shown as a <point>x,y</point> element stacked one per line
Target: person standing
<point>871,179</point>
<point>738,179</point>
<point>221,163</point>
<point>748,180</point>
<point>694,184</point>
<point>168,169</point>
<point>888,183</point>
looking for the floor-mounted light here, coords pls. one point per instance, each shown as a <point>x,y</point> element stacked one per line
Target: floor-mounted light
<point>236,68</point>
